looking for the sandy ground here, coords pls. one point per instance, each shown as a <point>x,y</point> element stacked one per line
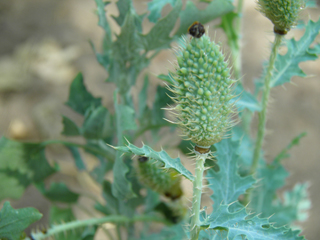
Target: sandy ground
<point>43,44</point>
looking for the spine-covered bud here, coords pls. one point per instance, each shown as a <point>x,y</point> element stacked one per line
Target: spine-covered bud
<point>282,13</point>
<point>202,89</point>
<point>166,182</point>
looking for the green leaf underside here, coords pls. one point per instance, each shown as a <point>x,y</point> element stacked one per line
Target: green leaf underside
<point>191,14</point>
<point>20,165</point>
<point>241,224</point>
<point>79,98</point>
<point>14,221</point>
<point>58,192</point>
<point>226,184</point>
<point>287,66</point>
<point>173,163</point>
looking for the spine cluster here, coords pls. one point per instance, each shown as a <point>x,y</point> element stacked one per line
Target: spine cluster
<point>202,89</point>
<point>282,13</point>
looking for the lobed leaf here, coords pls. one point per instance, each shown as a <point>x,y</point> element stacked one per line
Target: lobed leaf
<point>226,184</point>
<point>20,165</point>
<point>264,199</point>
<point>294,207</point>
<point>159,35</point>
<point>240,224</point>
<point>299,51</point>
<point>245,100</point>
<point>173,163</point>
<point>14,221</point>
<point>155,7</point>
<point>79,98</point>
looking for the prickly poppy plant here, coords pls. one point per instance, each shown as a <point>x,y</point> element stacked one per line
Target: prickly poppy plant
<point>152,194</point>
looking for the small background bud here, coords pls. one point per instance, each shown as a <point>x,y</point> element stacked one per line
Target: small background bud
<point>282,13</point>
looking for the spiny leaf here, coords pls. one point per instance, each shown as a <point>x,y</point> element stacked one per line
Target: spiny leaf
<point>79,98</point>
<point>294,207</point>
<point>287,65</point>
<point>58,192</point>
<point>191,14</point>
<point>155,7</point>
<point>226,184</point>
<point>20,165</point>
<point>271,178</point>
<point>159,35</point>
<point>241,224</point>
<point>162,156</point>
<point>13,222</point>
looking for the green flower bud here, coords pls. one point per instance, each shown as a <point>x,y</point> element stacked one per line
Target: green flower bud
<point>163,181</point>
<point>202,92</point>
<point>282,13</point>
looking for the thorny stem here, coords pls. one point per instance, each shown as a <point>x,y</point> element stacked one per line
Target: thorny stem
<point>264,103</point>
<point>117,219</point>
<point>196,201</point>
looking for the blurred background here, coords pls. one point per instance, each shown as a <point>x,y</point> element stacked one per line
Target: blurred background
<point>44,44</point>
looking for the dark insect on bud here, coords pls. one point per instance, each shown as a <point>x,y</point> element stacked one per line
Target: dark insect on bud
<point>143,159</point>
<point>196,30</point>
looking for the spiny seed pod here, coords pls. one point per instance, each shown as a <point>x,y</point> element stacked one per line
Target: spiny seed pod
<point>282,13</point>
<point>202,89</point>
<point>163,181</point>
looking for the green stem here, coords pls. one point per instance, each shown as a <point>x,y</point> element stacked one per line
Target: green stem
<point>196,201</point>
<point>264,103</point>
<point>117,219</point>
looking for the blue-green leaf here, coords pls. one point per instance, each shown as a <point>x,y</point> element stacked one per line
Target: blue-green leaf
<point>98,124</point>
<point>299,51</point>
<point>77,158</point>
<point>79,98</point>
<point>294,207</point>
<point>14,221</point>
<point>125,120</point>
<point>69,127</point>
<point>191,14</point>
<point>155,7</point>
<point>245,99</point>
<point>102,18</point>
<point>58,192</point>
<point>20,165</point>
<point>226,184</point>
<point>240,224</point>
<point>159,35</point>
<point>173,163</point>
